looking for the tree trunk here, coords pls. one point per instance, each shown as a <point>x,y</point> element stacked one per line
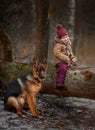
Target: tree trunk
<point>5,46</point>
<point>42,37</point>
<point>79,82</point>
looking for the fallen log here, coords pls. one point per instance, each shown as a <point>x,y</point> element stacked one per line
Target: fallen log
<point>79,82</point>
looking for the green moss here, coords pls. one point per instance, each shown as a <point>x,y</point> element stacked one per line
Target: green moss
<point>10,71</point>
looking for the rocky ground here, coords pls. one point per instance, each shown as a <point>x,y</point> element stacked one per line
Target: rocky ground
<point>56,114</point>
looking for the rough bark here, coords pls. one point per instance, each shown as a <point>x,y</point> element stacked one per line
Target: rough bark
<point>79,82</point>
<point>5,46</point>
<point>42,35</point>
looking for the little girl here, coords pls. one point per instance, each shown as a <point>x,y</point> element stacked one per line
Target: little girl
<point>64,56</point>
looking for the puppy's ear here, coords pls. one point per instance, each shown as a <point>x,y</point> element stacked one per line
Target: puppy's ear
<point>44,61</point>
<point>35,61</point>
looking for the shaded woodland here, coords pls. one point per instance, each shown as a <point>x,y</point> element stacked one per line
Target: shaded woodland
<point>31,24</point>
<point>27,29</point>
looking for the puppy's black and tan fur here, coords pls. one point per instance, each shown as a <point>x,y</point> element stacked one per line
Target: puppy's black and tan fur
<point>24,89</point>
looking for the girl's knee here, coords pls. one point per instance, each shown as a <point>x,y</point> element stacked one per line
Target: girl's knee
<point>63,67</point>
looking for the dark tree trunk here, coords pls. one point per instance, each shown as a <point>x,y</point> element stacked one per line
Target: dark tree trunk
<point>5,46</point>
<point>42,37</point>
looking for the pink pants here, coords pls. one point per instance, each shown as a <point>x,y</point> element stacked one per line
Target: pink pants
<point>61,73</point>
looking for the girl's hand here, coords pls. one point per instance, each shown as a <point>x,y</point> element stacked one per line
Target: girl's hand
<point>74,59</point>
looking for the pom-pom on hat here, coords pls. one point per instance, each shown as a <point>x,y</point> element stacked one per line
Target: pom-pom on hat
<point>61,32</point>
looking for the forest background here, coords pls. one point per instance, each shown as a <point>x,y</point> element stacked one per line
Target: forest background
<point>27,30</point>
<point>30,27</point>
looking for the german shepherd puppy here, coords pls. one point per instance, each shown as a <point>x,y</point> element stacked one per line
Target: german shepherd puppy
<point>24,89</point>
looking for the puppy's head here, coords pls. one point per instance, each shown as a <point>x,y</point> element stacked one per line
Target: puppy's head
<point>40,70</point>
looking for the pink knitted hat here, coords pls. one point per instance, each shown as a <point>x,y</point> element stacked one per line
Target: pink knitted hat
<point>61,32</point>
